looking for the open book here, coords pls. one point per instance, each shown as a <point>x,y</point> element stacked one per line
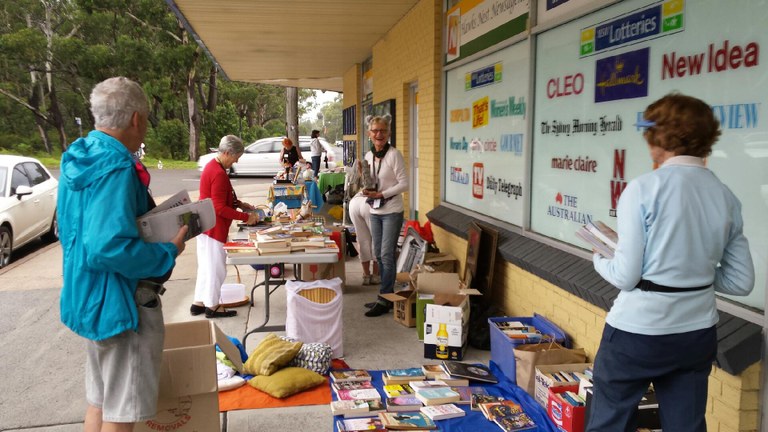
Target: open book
<point>163,222</point>
<point>600,236</point>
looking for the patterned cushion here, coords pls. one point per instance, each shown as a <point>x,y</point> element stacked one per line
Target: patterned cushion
<point>314,356</point>
<point>271,354</point>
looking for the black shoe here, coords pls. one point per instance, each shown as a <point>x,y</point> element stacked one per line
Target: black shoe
<point>371,304</point>
<point>196,310</point>
<point>378,309</point>
<point>219,312</point>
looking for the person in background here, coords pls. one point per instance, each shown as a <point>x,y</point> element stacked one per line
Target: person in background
<point>360,214</point>
<point>211,257</point>
<point>289,155</point>
<point>390,177</point>
<point>315,151</point>
<point>680,241</point>
<point>112,278</point>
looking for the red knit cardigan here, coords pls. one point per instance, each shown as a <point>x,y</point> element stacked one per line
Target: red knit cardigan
<point>215,184</point>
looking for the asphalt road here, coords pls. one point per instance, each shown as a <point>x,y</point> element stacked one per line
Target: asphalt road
<point>163,183</point>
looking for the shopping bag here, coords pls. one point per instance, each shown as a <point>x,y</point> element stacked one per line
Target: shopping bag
<point>528,356</point>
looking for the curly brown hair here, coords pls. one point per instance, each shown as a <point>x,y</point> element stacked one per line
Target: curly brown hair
<point>684,125</point>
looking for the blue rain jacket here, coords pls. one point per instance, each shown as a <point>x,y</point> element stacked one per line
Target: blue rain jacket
<point>100,196</point>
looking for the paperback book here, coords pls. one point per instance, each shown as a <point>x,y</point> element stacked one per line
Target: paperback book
<point>351,385</point>
<point>479,399</point>
<point>437,396</point>
<point>350,375</point>
<point>418,385</point>
<point>360,424</point>
<point>501,408</point>
<point>473,372</point>
<point>515,422</point>
<point>392,390</point>
<point>452,381</point>
<point>364,394</point>
<point>466,392</point>
<point>402,376</point>
<point>356,408</point>
<point>442,412</point>
<point>600,236</point>
<point>406,420</point>
<point>404,403</point>
<point>432,370</point>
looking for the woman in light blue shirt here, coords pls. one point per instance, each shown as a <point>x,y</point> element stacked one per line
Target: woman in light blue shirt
<point>680,241</point>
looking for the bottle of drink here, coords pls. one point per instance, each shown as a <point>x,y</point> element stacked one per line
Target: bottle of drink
<point>441,351</point>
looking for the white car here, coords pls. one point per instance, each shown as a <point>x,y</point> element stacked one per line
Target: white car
<point>28,196</point>
<point>261,157</point>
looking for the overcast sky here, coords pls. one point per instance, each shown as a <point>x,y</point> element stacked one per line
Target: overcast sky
<point>320,98</point>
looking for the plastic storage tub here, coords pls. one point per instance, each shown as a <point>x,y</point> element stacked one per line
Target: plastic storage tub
<point>502,346</point>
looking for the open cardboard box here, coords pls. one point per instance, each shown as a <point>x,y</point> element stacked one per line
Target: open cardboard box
<point>189,398</point>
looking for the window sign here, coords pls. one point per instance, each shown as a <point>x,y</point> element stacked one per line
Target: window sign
<point>474,25</point>
<point>485,134</point>
<point>596,75</point>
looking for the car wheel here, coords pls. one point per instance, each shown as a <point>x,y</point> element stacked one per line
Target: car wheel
<point>53,234</point>
<point>6,246</point>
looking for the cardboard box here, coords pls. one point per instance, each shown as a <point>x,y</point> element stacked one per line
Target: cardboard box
<point>456,320</point>
<point>567,417</point>
<point>442,262</point>
<point>544,382</point>
<point>189,398</point>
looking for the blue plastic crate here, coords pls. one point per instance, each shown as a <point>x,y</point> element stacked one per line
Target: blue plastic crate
<point>502,346</point>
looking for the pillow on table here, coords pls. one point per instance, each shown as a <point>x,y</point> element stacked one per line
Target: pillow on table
<point>271,354</point>
<point>287,381</point>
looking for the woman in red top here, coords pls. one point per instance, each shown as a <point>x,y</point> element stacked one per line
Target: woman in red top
<point>211,257</point>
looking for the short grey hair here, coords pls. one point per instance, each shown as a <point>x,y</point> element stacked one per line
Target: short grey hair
<point>114,100</point>
<point>385,119</point>
<point>231,144</point>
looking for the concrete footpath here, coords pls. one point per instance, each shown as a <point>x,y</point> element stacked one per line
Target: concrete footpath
<point>43,375</point>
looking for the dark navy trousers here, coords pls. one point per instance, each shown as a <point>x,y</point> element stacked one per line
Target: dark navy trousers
<point>678,365</point>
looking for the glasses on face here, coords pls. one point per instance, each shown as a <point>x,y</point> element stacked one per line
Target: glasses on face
<point>379,131</point>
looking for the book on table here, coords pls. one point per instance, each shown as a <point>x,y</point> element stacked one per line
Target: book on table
<point>351,385</point>
<point>466,393</point>
<point>356,408</point>
<point>431,370</point>
<point>452,381</point>
<point>402,376</point>
<point>425,384</point>
<point>437,396</point>
<point>360,424</point>
<point>392,390</point>
<point>479,399</point>
<point>600,236</point>
<point>350,375</point>
<point>406,420</point>
<point>515,422</point>
<point>363,394</point>
<point>404,403</point>
<point>442,412</point>
<point>472,372</point>
<point>501,408</point>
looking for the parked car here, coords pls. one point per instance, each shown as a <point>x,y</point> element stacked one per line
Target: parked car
<point>261,157</point>
<point>28,196</point>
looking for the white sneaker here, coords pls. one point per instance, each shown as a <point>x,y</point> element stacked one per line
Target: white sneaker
<point>366,279</point>
<point>375,279</point>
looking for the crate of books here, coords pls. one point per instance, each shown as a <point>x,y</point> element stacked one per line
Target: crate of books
<point>508,332</point>
<point>566,408</point>
<point>549,376</point>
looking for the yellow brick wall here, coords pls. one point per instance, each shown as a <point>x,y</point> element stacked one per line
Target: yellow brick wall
<point>734,401</point>
<point>410,53</point>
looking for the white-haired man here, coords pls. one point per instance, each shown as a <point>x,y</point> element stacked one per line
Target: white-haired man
<point>112,278</point>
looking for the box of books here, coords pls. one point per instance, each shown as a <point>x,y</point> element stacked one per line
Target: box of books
<point>189,398</point>
<point>566,409</point>
<point>549,376</point>
<point>508,332</point>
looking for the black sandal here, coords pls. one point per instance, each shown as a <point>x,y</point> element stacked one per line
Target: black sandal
<point>196,310</point>
<point>216,313</point>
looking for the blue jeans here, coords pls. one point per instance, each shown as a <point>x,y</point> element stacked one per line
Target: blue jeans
<point>385,230</point>
<point>316,165</point>
<point>678,365</point>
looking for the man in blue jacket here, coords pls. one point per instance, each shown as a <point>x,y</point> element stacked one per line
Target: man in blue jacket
<point>107,297</point>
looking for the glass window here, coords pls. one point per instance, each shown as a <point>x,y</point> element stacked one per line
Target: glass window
<point>3,180</point>
<point>19,178</point>
<point>36,173</point>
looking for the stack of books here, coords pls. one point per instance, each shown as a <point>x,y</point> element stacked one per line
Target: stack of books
<point>356,408</point>
<point>359,425</point>
<point>442,412</point>
<point>467,371</point>
<point>522,333</point>
<point>242,247</point>
<point>351,375</point>
<point>403,376</point>
<point>406,420</point>
<point>437,396</point>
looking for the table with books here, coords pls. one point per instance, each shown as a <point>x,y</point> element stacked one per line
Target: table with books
<point>450,396</point>
<point>262,247</point>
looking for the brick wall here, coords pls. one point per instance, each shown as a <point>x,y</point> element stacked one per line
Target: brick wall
<point>734,401</point>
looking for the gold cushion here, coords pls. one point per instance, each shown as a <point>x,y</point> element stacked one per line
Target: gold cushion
<point>287,381</point>
<point>271,354</point>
